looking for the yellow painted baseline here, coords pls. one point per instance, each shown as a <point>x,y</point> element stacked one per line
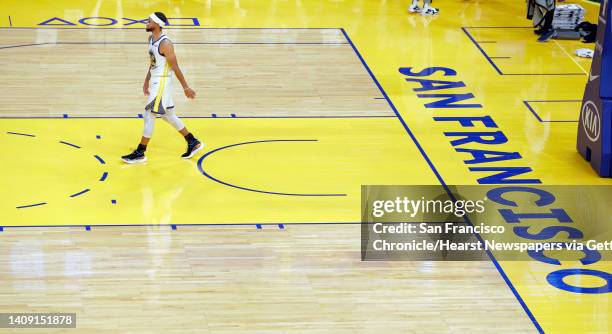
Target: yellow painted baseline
<point>351,152</point>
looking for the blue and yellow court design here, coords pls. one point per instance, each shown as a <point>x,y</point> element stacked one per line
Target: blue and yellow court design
<point>299,104</point>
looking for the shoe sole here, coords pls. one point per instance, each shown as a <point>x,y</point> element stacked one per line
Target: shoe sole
<point>134,161</point>
<point>414,10</point>
<point>194,151</point>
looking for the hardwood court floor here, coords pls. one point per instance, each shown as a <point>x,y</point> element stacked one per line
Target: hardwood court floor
<point>299,104</point>
<point>240,279</point>
<point>314,72</point>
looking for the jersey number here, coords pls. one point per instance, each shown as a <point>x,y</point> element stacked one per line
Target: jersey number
<point>152,56</point>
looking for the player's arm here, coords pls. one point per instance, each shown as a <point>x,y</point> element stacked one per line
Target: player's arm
<point>145,87</point>
<point>167,49</point>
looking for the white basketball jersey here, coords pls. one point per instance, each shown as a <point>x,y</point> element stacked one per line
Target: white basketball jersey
<point>160,85</point>
<point>159,66</point>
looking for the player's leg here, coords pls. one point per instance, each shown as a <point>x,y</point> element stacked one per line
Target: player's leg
<point>547,28</point>
<point>543,15</point>
<point>427,9</point>
<point>139,153</point>
<point>193,144</point>
<point>414,7</point>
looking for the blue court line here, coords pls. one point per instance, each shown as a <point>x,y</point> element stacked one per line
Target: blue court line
<point>18,46</point>
<point>490,59</point>
<point>31,205</point>
<point>530,107</point>
<point>339,116</point>
<point>79,193</point>
<point>99,159</point>
<point>441,180</point>
<point>65,143</point>
<point>187,43</point>
<point>419,147</point>
<point>219,224</point>
<point>223,43</point>
<point>170,27</point>
<point>200,161</point>
<point>533,111</point>
<point>482,51</point>
<point>140,116</point>
<point>69,144</point>
<point>70,117</point>
<point>20,134</point>
<point>219,43</point>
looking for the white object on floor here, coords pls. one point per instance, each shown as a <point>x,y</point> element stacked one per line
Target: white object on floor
<point>585,53</point>
<point>568,16</point>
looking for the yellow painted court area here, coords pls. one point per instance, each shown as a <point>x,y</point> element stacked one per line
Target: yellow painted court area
<point>304,170</point>
<point>299,104</point>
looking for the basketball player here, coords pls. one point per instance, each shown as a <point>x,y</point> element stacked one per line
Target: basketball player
<point>425,11</point>
<point>158,88</point>
<point>543,13</point>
